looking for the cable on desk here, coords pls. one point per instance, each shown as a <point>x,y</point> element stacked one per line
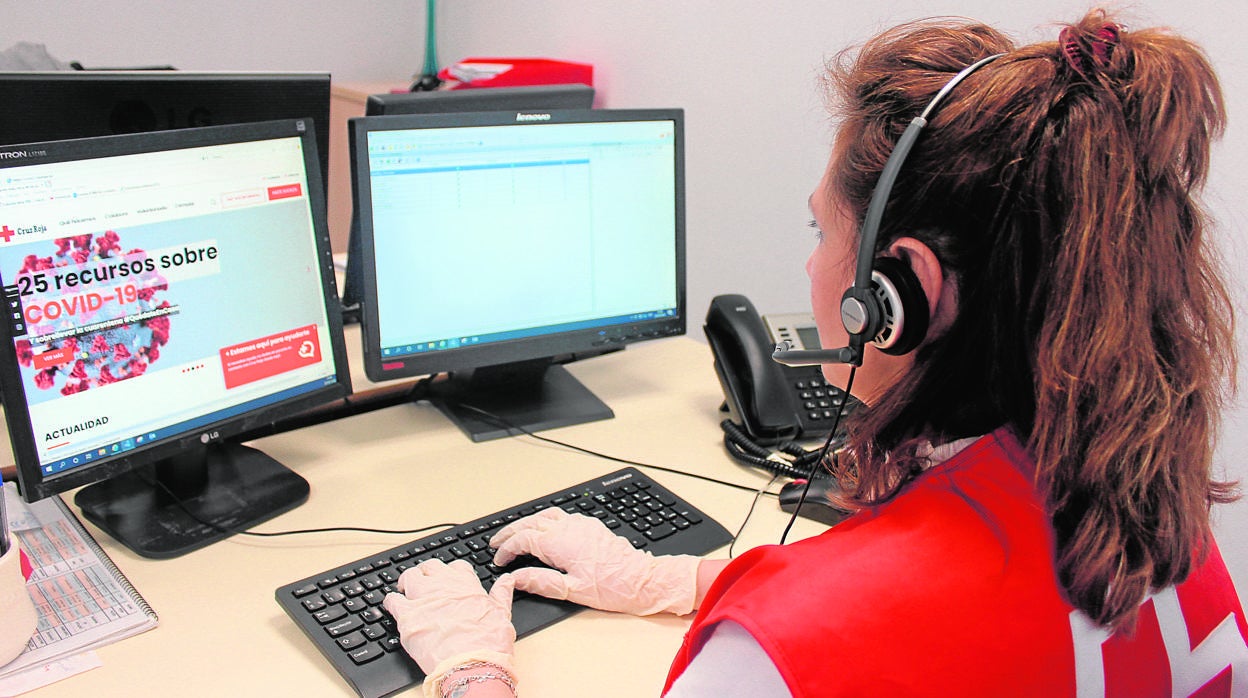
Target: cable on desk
<point>335,529</point>
<point>787,459</point>
<point>273,534</point>
<point>415,391</point>
<point>758,494</point>
<point>349,406</point>
<point>823,453</point>
<point>509,425</point>
<point>758,491</point>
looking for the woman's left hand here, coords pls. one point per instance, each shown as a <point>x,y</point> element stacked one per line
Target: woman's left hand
<point>444,613</point>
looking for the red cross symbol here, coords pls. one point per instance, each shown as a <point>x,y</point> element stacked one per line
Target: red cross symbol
<point>7,233</point>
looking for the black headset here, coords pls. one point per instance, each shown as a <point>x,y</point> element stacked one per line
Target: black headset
<point>886,305</point>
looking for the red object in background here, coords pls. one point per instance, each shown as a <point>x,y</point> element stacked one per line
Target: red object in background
<point>509,72</point>
<point>27,569</point>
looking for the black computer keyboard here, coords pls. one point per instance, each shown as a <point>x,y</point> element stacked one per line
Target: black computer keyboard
<point>340,609</point>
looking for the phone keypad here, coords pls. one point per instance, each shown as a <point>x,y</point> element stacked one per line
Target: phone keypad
<point>818,400</point>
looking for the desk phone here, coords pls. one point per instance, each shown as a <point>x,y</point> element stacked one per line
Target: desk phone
<point>770,401</point>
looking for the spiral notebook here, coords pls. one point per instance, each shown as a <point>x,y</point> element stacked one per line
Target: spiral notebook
<point>83,600</point>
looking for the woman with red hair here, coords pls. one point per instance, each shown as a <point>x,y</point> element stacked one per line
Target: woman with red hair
<point>1033,479</point>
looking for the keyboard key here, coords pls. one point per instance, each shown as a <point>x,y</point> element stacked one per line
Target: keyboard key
<point>660,531</point>
<point>333,596</point>
<point>313,605</point>
<point>305,590</point>
<point>350,642</point>
<point>344,626</point>
<point>329,615</point>
<point>366,654</point>
<point>373,632</point>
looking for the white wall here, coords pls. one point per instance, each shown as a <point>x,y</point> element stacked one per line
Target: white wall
<point>757,135</point>
<point>744,72</point>
<point>379,39</point>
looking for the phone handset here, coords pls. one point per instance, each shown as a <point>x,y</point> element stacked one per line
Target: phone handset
<point>770,402</point>
<point>755,391</point>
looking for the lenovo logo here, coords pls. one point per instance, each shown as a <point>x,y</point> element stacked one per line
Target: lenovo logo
<point>532,117</point>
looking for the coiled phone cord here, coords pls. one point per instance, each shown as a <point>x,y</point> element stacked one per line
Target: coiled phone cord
<point>787,459</point>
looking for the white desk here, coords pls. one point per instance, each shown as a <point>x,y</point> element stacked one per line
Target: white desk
<point>221,632</point>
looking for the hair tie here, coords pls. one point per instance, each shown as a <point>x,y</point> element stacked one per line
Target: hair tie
<point>1101,46</point>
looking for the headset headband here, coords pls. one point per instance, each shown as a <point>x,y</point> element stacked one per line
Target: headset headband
<point>884,186</point>
<point>854,310</point>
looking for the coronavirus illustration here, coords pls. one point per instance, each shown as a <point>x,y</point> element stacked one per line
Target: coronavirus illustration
<point>94,315</point>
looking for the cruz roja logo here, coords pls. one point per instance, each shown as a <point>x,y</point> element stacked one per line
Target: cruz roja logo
<point>7,233</point>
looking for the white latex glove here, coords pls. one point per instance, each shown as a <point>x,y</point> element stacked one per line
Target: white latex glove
<point>445,616</point>
<point>600,569</point>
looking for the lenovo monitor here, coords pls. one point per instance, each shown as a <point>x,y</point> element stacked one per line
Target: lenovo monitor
<point>526,97</point>
<point>167,292</point>
<point>497,246</point>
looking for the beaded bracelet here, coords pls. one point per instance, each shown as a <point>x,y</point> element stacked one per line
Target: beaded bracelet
<point>432,687</point>
<point>448,689</point>
<point>473,664</point>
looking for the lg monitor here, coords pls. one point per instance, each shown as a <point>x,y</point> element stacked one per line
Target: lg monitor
<point>167,293</point>
<point>497,246</point>
<point>528,97</point>
<point>57,105</point>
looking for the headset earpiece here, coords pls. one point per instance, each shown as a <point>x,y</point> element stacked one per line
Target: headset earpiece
<point>902,307</point>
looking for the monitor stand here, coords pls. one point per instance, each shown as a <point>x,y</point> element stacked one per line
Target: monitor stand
<point>515,398</point>
<point>192,499</point>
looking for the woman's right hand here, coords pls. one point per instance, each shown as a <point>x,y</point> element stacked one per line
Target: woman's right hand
<point>599,569</point>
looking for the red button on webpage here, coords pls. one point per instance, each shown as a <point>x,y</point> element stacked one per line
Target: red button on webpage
<point>285,191</point>
<point>269,356</point>
<point>52,357</point>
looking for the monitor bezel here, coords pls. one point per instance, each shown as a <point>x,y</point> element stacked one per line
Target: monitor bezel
<point>560,347</point>
<point>33,483</point>
<point>310,85</point>
<point>480,99</point>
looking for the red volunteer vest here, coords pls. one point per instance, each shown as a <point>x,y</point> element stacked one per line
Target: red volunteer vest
<point>950,590</point>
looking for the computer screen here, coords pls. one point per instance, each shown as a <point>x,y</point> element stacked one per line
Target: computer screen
<point>525,97</point>
<point>56,105</point>
<point>167,292</point>
<point>497,246</point>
